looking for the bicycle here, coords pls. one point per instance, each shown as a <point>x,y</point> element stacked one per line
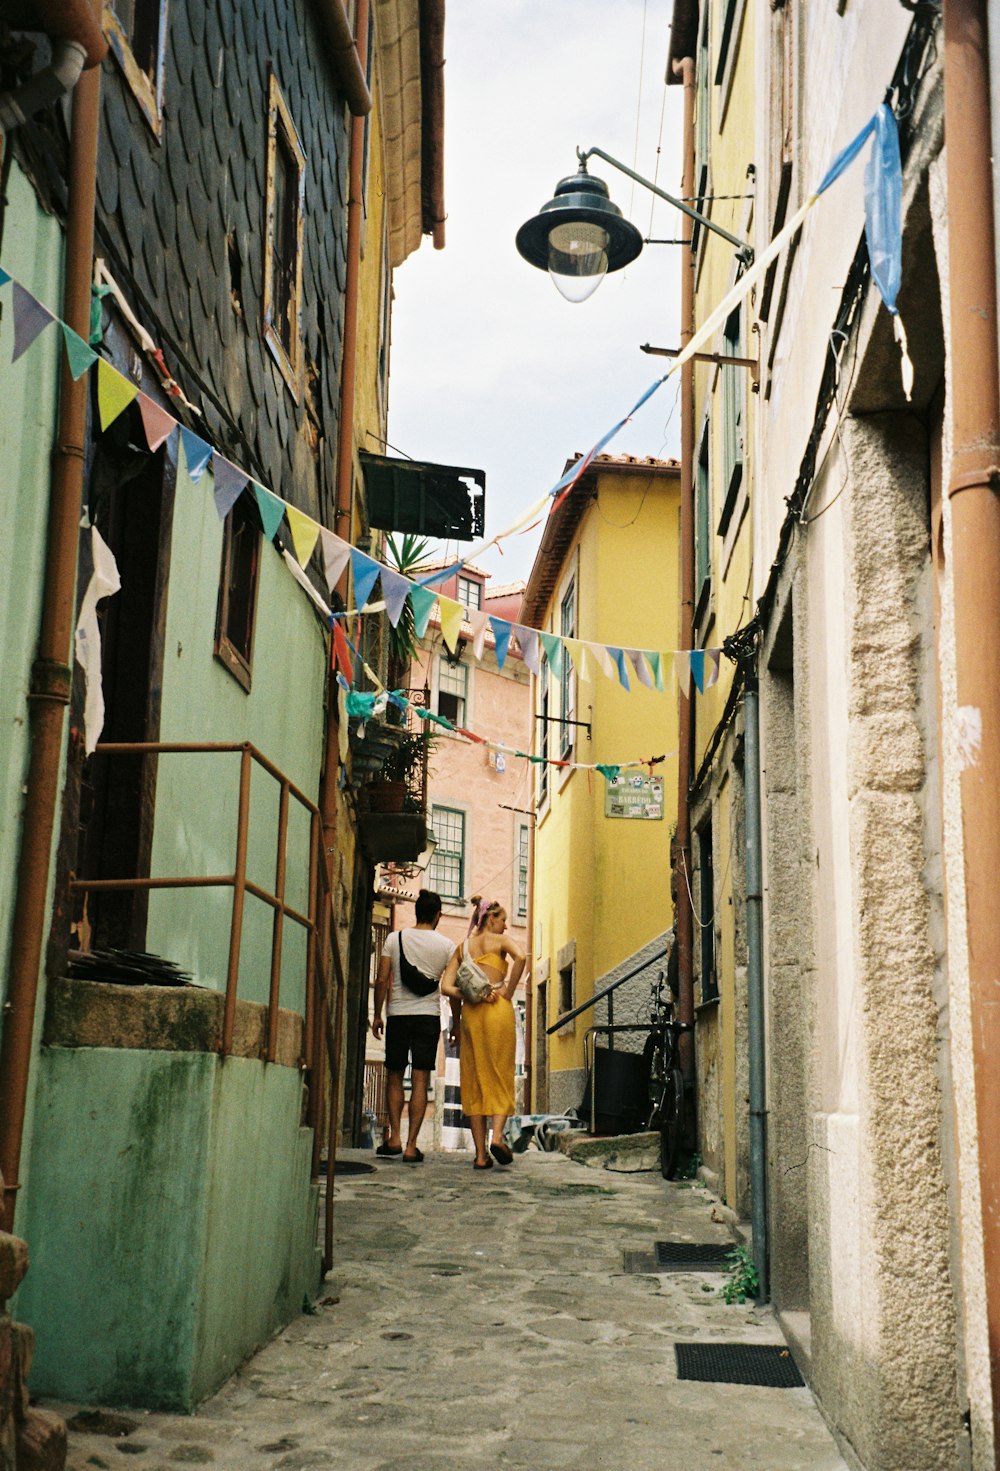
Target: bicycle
<point>667,1096</point>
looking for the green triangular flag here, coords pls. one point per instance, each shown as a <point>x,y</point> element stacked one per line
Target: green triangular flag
<point>422,601</point>
<point>271,509</point>
<point>79,356</point>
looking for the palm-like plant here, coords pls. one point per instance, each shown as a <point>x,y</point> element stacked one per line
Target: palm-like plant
<point>409,555</point>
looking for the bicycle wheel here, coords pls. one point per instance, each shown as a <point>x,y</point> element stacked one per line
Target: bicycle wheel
<point>672,1111</point>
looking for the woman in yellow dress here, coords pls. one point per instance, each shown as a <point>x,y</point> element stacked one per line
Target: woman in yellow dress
<point>488,1032</point>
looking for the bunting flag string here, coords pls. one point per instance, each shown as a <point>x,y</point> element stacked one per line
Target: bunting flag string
<point>699,667</point>
<point>365,705</point>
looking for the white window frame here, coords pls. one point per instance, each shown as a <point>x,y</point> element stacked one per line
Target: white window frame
<point>442,851</point>
<point>522,836</point>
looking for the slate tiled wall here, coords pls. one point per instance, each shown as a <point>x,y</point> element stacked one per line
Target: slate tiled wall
<point>167,208</point>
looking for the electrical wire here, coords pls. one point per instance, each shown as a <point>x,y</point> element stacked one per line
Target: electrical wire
<point>638,106</point>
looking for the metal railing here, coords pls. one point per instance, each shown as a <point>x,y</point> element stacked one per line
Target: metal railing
<point>238,880</point>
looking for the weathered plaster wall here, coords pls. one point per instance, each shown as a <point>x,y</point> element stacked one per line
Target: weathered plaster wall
<point>197,795</point>
<point>33,254</point>
<point>162,1252</point>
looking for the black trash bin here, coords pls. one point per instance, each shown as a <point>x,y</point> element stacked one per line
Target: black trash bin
<point>622,1093</point>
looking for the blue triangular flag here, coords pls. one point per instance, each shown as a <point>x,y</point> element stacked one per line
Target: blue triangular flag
<point>395,589</point>
<point>552,645</point>
<point>619,657</point>
<point>4,277</point>
<point>196,452</point>
<point>696,658</point>
<point>30,318</point>
<point>501,633</point>
<point>365,571</point>
<point>230,482</point>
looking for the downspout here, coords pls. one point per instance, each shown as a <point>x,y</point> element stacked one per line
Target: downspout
<point>78,44</point>
<point>51,674</point>
<point>348,53</point>
<point>685,1000</point>
<point>344,493</point>
<point>974,496</point>
<point>755,973</point>
<point>529,983</point>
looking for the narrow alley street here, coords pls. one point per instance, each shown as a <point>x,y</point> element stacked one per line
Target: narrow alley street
<point>486,1321</point>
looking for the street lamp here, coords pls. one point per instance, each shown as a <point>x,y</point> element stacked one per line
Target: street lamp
<point>579,234</point>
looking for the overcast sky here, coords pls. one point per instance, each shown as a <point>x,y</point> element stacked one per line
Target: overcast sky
<point>490,367</point>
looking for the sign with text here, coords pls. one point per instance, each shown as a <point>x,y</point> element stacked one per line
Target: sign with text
<point>630,794</point>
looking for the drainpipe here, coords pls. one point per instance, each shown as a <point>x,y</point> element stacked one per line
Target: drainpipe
<point>974,495</point>
<point>78,43</point>
<point>685,1000</point>
<point>51,674</point>
<point>755,974</point>
<point>344,494</point>
<point>347,53</point>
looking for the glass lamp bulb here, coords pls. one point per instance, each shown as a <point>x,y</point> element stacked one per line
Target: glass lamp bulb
<point>578,259</point>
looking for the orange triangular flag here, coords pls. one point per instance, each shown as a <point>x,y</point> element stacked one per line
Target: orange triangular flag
<point>157,423</point>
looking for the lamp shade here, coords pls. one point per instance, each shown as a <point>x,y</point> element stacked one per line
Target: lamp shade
<point>578,236</point>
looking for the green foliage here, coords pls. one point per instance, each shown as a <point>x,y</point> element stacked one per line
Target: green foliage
<point>690,1170</point>
<point>743,1281</point>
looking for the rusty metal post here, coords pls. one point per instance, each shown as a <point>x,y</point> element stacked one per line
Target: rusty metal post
<point>277,933</point>
<point>239,896</point>
<point>685,722</point>
<point>974,494</point>
<point>51,673</point>
<point>312,949</point>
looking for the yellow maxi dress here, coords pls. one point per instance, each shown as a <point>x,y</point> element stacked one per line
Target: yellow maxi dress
<point>486,1056</point>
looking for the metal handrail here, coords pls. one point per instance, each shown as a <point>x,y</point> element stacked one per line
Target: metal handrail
<point>238,880</point>
<point>605,991</point>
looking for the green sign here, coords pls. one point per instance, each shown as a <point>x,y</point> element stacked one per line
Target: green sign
<point>630,794</point>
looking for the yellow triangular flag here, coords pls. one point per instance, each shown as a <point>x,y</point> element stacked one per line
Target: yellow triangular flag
<point>114,393</point>
<point>578,654</point>
<point>305,532</point>
<point>452,614</point>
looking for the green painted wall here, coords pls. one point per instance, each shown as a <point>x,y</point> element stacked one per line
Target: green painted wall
<point>196,802</point>
<point>32,251</point>
<point>172,1224</point>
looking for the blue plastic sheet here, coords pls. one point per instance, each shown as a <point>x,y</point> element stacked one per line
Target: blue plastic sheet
<point>884,207</point>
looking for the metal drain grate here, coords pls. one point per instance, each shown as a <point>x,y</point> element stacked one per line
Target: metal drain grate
<point>767,1364</point>
<point>693,1256</point>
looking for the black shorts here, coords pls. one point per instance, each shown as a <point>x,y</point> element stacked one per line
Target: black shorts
<point>413,1037</point>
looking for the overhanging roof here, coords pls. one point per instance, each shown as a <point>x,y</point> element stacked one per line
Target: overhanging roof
<point>443,501</point>
<point>563,523</point>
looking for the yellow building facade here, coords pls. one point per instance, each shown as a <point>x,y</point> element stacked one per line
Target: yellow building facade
<point>721,40</point>
<point>607,571</point>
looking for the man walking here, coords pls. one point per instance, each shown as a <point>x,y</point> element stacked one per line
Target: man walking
<point>408,972</point>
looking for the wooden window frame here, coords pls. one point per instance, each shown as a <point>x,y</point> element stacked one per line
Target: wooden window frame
<point>567,678</point>
<point>449,853</point>
<point>146,89</point>
<point>237,661</point>
<point>280,124</point>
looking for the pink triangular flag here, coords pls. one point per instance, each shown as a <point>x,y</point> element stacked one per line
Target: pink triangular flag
<point>479,619</point>
<point>157,423</point>
<point>336,556</point>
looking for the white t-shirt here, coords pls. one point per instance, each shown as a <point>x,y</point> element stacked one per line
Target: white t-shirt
<point>429,952</point>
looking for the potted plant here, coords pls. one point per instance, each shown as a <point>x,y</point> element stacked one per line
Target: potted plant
<point>391,790</point>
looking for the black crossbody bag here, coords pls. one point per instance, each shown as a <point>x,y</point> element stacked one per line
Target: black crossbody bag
<point>413,979</point>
